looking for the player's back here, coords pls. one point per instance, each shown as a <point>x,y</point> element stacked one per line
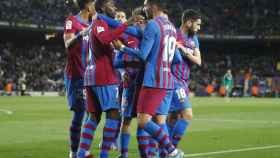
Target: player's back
<point>100,70</point>
<point>158,64</point>
<point>76,53</point>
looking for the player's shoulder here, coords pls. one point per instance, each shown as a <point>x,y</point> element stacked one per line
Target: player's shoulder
<point>153,25</point>
<point>70,18</point>
<point>100,22</point>
<point>70,23</point>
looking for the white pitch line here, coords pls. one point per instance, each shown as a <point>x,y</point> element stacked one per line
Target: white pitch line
<point>232,151</point>
<point>240,121</point>
<point>8,112</point>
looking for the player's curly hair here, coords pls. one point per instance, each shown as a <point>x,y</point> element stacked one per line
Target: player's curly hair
<point>190,14</point>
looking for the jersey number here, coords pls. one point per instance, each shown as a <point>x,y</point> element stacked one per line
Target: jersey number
<point>169,48</point>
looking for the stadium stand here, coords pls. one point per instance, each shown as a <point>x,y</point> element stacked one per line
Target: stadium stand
<point>40,66</point>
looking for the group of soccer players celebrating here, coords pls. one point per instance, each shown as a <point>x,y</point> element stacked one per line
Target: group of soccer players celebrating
<point>135,68</point>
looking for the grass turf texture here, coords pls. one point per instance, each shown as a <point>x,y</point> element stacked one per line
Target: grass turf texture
<point>38,126</point>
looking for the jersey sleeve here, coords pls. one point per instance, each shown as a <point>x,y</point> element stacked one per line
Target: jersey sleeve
<point>146,43</point>
<point>131,30</point>
<point>104,34</point>
<point>69,26</point>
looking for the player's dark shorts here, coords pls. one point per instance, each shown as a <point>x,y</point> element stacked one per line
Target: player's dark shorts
<point>102,98</point>
<point>74,91</point>
<point>180,100</point>
<point>154,101</point>
<point>129,101</point>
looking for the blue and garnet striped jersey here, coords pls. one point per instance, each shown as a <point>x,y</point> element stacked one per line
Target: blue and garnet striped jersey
<point>76,54</point>
<point>100,70</point>
<point>182,70</point>
<point>158,51</point>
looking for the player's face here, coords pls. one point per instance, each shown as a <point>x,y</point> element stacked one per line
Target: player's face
<point>121,17</point>
<point>110,8</point>
<point>141,23</point>
<point>196,25</point>
<point>192,26</point>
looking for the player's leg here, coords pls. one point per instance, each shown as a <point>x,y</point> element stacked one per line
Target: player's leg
<point>130,96</point>
<point>146,108</point>
<point>90,123</point>
<point>125,137</point>
<point>161,121</point>
<point>109,101</point>
<point>183,109</point>
<point>74,91</point>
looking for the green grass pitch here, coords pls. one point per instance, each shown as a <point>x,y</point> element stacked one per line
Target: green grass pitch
<point>37,128</point>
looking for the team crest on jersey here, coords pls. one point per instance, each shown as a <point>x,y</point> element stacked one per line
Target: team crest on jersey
<point>68,25</point>
<point>100,29</point>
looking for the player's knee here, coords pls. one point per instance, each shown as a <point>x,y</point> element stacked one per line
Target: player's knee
<point>113,114</point>
<point>187,114</point>
<point>160,119</point>
<point>142,119</point>
<point>95,117</point>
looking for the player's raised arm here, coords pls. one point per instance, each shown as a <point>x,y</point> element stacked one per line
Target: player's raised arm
<point>130,30</point>
<point>146,43</point>
<point>104,34</point>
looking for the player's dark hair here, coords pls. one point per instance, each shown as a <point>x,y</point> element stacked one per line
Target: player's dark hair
<point>140,11</point>
<point>99,4</point>
<point>162,4</point>
<point>190,14</point>
<point>82,3</point>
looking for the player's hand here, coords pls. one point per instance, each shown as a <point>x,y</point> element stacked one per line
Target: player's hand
<point>118,44</point>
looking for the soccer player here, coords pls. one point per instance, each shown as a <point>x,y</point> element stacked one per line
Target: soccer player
<point>157,50</point>
<point>188,43</point>
<point>133,77</point>
<point>228,82</point>
<point>76,43</point>
<point>102,82</point>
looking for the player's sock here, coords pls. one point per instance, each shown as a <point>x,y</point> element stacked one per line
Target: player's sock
<point>160,135</point>
<point>109,136</point>
<point>75,130</point>
<point>143,142</point>
<point>125,138</point>
<point>162,151</point>
<point>87,136</point>
<point>153,148</point>
<point>179,131</point>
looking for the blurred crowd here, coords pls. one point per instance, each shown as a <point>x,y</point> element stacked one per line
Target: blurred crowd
<point>251,17</point>
<point>40,68</point>
<point>252,75</point>
<point>31,68</point>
